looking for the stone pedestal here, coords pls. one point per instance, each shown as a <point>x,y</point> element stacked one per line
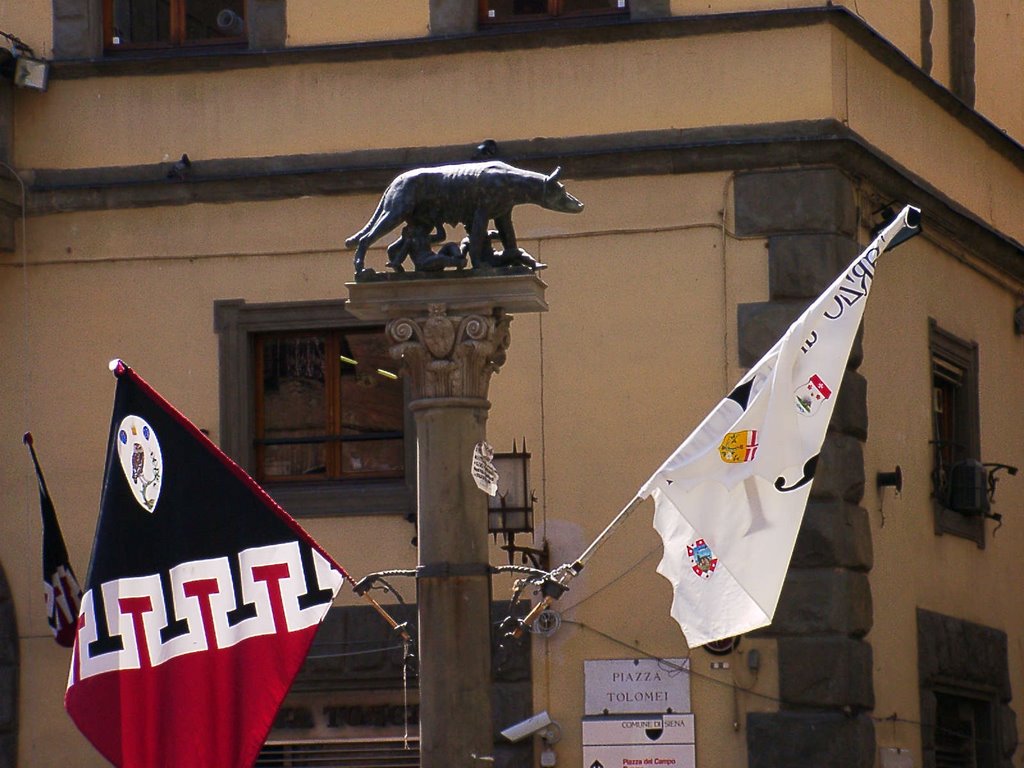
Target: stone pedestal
<point>451,334</point>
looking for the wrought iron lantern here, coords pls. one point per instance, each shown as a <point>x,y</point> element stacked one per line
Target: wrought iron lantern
<point>510,510</point>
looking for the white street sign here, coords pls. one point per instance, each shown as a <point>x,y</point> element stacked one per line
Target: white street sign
<point>642,686</point>
<point>637,756</point>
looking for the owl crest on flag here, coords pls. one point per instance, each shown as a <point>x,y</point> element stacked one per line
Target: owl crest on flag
<point>138,462</point>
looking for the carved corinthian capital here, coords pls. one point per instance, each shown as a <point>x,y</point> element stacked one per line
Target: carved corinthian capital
<point>449,355</point>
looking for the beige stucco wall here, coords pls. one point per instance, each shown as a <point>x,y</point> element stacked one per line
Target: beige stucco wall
<point>305,109</point>
<point>321,22</point>
<point>1000,59</point>
<point>920,136</point>
<point>326,22</point>
<point>633,359</point>
<point>31,21</point>
<point>639,343</point>
<point>914,568</point>
<point>603,387</point>
<point>757,77</point>
<point>898,22</point>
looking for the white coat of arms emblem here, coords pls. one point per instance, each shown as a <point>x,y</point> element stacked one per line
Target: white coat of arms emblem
<point>139,452</point>
<point>810,395</point>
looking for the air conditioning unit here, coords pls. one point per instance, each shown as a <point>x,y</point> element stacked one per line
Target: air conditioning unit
<point>967,491</point>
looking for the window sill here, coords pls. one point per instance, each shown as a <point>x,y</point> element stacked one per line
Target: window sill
<point>340,499</point>
<point>970,527</point>
<point>573,21</point>
<point>146,51</point>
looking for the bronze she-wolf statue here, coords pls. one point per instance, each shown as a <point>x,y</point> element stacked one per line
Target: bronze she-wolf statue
<point>470,194</point>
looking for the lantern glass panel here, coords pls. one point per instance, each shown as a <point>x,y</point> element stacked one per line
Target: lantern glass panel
<point>512,476</point>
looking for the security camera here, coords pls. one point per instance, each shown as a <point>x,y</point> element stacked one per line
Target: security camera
<point>538,724</point>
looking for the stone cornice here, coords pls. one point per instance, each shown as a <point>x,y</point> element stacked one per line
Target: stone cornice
<point>731,148</point>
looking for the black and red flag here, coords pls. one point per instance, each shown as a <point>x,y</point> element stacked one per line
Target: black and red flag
<point>60,587</point>
<point>201,602</point>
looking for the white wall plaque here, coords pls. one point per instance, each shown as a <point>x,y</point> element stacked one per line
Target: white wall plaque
<point>640,756</point>
<point>894,757</point>
<point>628,686</point>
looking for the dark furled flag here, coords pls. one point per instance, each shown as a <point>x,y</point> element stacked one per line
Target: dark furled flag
<point>60,587</point>
<point>201,602</point>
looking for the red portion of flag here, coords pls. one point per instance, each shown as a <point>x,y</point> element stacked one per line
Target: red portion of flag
<point>201,710</point>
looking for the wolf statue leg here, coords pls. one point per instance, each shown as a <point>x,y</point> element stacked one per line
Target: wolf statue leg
<point>376,229</point>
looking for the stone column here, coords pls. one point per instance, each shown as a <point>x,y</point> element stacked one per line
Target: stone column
<point>451,334</point>
<point>809,217</point>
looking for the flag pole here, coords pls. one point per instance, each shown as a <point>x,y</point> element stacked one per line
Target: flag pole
<point>400,628</point>
<point>27,440</point>
<point>556,583</point>
<point>620,518</point>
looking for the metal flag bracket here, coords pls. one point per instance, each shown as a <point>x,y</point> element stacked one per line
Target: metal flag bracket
<point>555,583</point>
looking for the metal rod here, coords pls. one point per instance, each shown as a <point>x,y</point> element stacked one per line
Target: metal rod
<point>532,616</point>
<point>386,616</point>
<point>378,607</point>
<point>556,581</point>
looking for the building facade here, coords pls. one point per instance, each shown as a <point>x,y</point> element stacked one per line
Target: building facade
<point>179,197</point>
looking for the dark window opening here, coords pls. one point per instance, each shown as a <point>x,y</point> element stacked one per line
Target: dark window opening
<point>965,693</point>
<point>328,405</point>
<point>964,732</point>
<point>498,11</point>
<point>169,23</point>
<point>951,431</point>
<point>313,406</point>
<point>958,479</point>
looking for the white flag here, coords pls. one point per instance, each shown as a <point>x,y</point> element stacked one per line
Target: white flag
<point>729,500</point>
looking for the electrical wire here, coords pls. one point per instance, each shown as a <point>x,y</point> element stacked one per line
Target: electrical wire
<point>365,652</point>
<point>893,718</point>
<point>18,43</point>
<point>618,578</point>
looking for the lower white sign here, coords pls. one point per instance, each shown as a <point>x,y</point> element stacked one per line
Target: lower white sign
<point>656,729</point>
<point>640,756</point>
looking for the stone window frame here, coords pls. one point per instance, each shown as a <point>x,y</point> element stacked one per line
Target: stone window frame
<point>236,323</point>
<point>964,355</point>
<point>553,12</point>
<point>962,56</point>
<point>962,59</point>
<point>177,31</point>
<point>78,29</point>
<point>962,659</point>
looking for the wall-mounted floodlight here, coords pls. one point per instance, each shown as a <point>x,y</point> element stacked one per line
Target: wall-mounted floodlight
<point>19,62</point>
<point>31,73</point>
